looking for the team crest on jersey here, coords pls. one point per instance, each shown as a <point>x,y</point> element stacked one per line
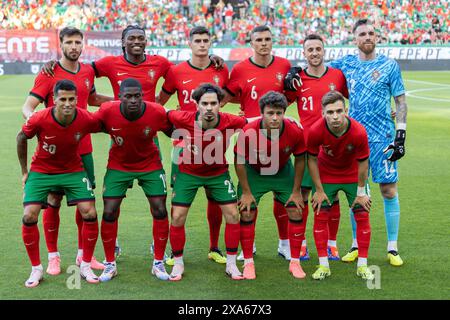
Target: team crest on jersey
<point>77,136</point>
<point>279,76</point>
<point>350,147</point>
<point>151,74</point>
<point>375,75</point>
<point>327,150</point>
<point>287,149</point>
<point>216,80</point>
<point>332,86</point>
<point>88,83</point>
<point>147,131</point>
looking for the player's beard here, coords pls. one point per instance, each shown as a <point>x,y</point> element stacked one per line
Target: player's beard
<point>367,49</point>
<point>314,64</point>
<point>71,58</point>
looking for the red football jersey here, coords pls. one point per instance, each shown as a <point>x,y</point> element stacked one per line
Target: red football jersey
<point>57,149</point>
<point>260,151</point>
<point>338,156</point>
<point>309,96</point>
<point>133,148</point>
<point>148,72</point>
<point>251,81</point>
<point>204,150</point>
<point>84,81</point>
<point>184,78</point>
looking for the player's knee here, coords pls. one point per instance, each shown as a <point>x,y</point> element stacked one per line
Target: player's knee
<point>88,211</point>
<point>110,216</point>
<point>160,213</point>
<point>248,216</point>
<point>388,191</point>
<point>30,215</point>
<point>29,219</point>
<point>294,213</point>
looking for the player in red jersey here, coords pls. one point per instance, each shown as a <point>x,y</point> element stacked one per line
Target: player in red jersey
<point>183,79</point>
<point>206,135</point>
<point>251,79</point>
<point>68,67</point>
<point>57,164</point>
<point>317,79</point>
<point>132,124</point>
<point>338,160</point>
<point>263,164</point>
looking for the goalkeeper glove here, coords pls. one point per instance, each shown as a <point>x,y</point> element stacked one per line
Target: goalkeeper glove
<point>292,80</point>
<point>398,146</point>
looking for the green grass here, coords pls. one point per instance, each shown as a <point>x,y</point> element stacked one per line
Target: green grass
<point>424,194</point>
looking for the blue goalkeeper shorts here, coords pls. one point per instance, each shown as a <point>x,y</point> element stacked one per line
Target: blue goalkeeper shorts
<point>381,169</point>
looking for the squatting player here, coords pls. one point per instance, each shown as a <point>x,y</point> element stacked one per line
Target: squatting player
<point>132,124</point>
<point>317,79</point>
<point>57,164</point>
<point>338,161</point>
<point>249,81</point>
<point>372,79</point>
<point>68,67</point>
<point>183,79</point>
<point>263,164</point>
<point>206,134</point>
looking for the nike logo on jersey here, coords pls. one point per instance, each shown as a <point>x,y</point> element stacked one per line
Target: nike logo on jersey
<point>187,81</point>
<point>121,73</point>
<point>116,129</point>
<point>250,80</point>
<point>51,137</point>
<point>303,90</point>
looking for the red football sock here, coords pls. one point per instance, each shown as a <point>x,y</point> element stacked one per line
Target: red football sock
<point>333,220</point>
<point>160,236</point>
<point>79,221</point>
<point>30,236</point>
<point>282,219</point>
<point>305,213</point>
<point>109,235</point>
<point>90,235</point>
<point>247,232</point>
<point>321,232</point>
<point>232,236</point>
<point>363,231</point>
<point>296,231</point>
<point>214,214</point>
<point>177,236</point>
<point>50,222</point>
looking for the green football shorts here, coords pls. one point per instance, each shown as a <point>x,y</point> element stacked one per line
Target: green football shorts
<point>116,183</point>
<point>76,186</point>
<point>332,189</point>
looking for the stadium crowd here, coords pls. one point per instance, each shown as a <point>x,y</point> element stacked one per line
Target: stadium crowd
<point>230,22</point>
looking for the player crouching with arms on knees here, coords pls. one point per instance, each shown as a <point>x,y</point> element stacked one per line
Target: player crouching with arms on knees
<point>338,159</point>
<point>202,163</point>
<point>57,164</point>
<point>263,165</point>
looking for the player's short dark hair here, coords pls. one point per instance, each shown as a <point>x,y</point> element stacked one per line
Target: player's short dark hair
<point>332,97</point>
<point>359,23</point>
<point>207,88</point>
<point>130,83</point>
<point>312,36</point>
<point>129,28</point>
<point>273,99</point>
<point>65,85</point>
<point>260,29</point>
<point>199,30</point>
<point>69,31</point>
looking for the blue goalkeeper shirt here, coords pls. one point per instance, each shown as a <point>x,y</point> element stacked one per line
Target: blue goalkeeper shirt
<point>371,85</point>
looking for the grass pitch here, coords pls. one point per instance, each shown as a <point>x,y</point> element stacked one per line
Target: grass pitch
<point>424,191</point>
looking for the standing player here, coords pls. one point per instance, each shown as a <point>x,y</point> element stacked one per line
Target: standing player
<point>317,79</point>
<point>263,165</point>
<point>249,80</point>
<point>372,79</point>
<point>338,161</point>
<point>57,164</point>
<point>184,79</point>
<point>132,124</point>
<point>206,137</point>
<point>68,67</point>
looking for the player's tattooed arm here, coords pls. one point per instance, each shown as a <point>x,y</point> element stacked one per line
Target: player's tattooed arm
<point>48,68</point>
<point>401,109</point>
<point>22,154</point>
